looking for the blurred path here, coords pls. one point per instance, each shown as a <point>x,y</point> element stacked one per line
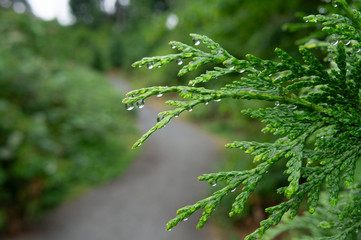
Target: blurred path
<point>138,205</point>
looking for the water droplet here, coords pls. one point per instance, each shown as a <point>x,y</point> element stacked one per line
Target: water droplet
<point>186,219</point>
<point>242,71</point>
<point>140,66</point>
<point>335,42</point>
<point>293,107</point>
<point>193,84</point>
<point>160,94</point>
<point>190,110</point>
<point>173,47</point>
<point>169,230</point>
<point>335,5</point>
<point>150,65</point>
<point>233,190</point>
<point>140,103</point>
<point>196,41</point>
<point>322,136</point>
<point>207,103</point>
<point>218,100</point>
<point>231,68</point>
<point>359,50</point>
<point>322,10</point>
<point>179,61</point>
<point>306,20</point>
<point>348,43</point>
<point>214,184</point>
<point>176,116</point>
<point>277,103</point>
<point>129,107</point>
<point>160,118</point>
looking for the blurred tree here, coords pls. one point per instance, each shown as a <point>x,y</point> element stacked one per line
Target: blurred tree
<point>89,12</point>
<point>116,51</point>
<point>19,6</point>
<point>98,59</point>
<point>61,128</point>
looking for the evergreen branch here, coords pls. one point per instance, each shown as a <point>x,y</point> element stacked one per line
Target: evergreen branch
<point>316,114</point>
<point>349,13</point>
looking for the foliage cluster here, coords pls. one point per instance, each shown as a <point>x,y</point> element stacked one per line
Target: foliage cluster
<point>316,118</point>
<point>61,126</point>
<point>95,48</point>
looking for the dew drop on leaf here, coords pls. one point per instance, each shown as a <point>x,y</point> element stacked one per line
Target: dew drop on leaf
<point>196,41</point>
<point>140,103</point>
<point>160,118</point>
<point>233,190</point>
<point>277,103</point>
<point>150,65</point>
<point>218,100</point>
<point>322,10</point>
<point>129,107</point>
<point>186,219</point>
<point>179,61</point>
<point>159,95</point>
<point>335,42</point>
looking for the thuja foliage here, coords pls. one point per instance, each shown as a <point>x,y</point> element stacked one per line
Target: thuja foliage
<point>328,222</point>
<point>316,116</point>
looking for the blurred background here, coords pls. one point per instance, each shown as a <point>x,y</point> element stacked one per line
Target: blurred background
<point>64,68</point>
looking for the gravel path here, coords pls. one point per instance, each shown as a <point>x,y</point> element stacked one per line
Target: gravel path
<point>138,204</point>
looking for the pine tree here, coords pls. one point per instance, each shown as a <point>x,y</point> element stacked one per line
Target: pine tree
<point>316,117</point>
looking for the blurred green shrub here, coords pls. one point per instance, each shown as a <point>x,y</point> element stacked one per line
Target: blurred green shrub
<point>116,51</point>
<point>62,127</point>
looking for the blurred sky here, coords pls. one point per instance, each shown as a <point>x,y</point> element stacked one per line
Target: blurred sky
<point>60,10</point>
